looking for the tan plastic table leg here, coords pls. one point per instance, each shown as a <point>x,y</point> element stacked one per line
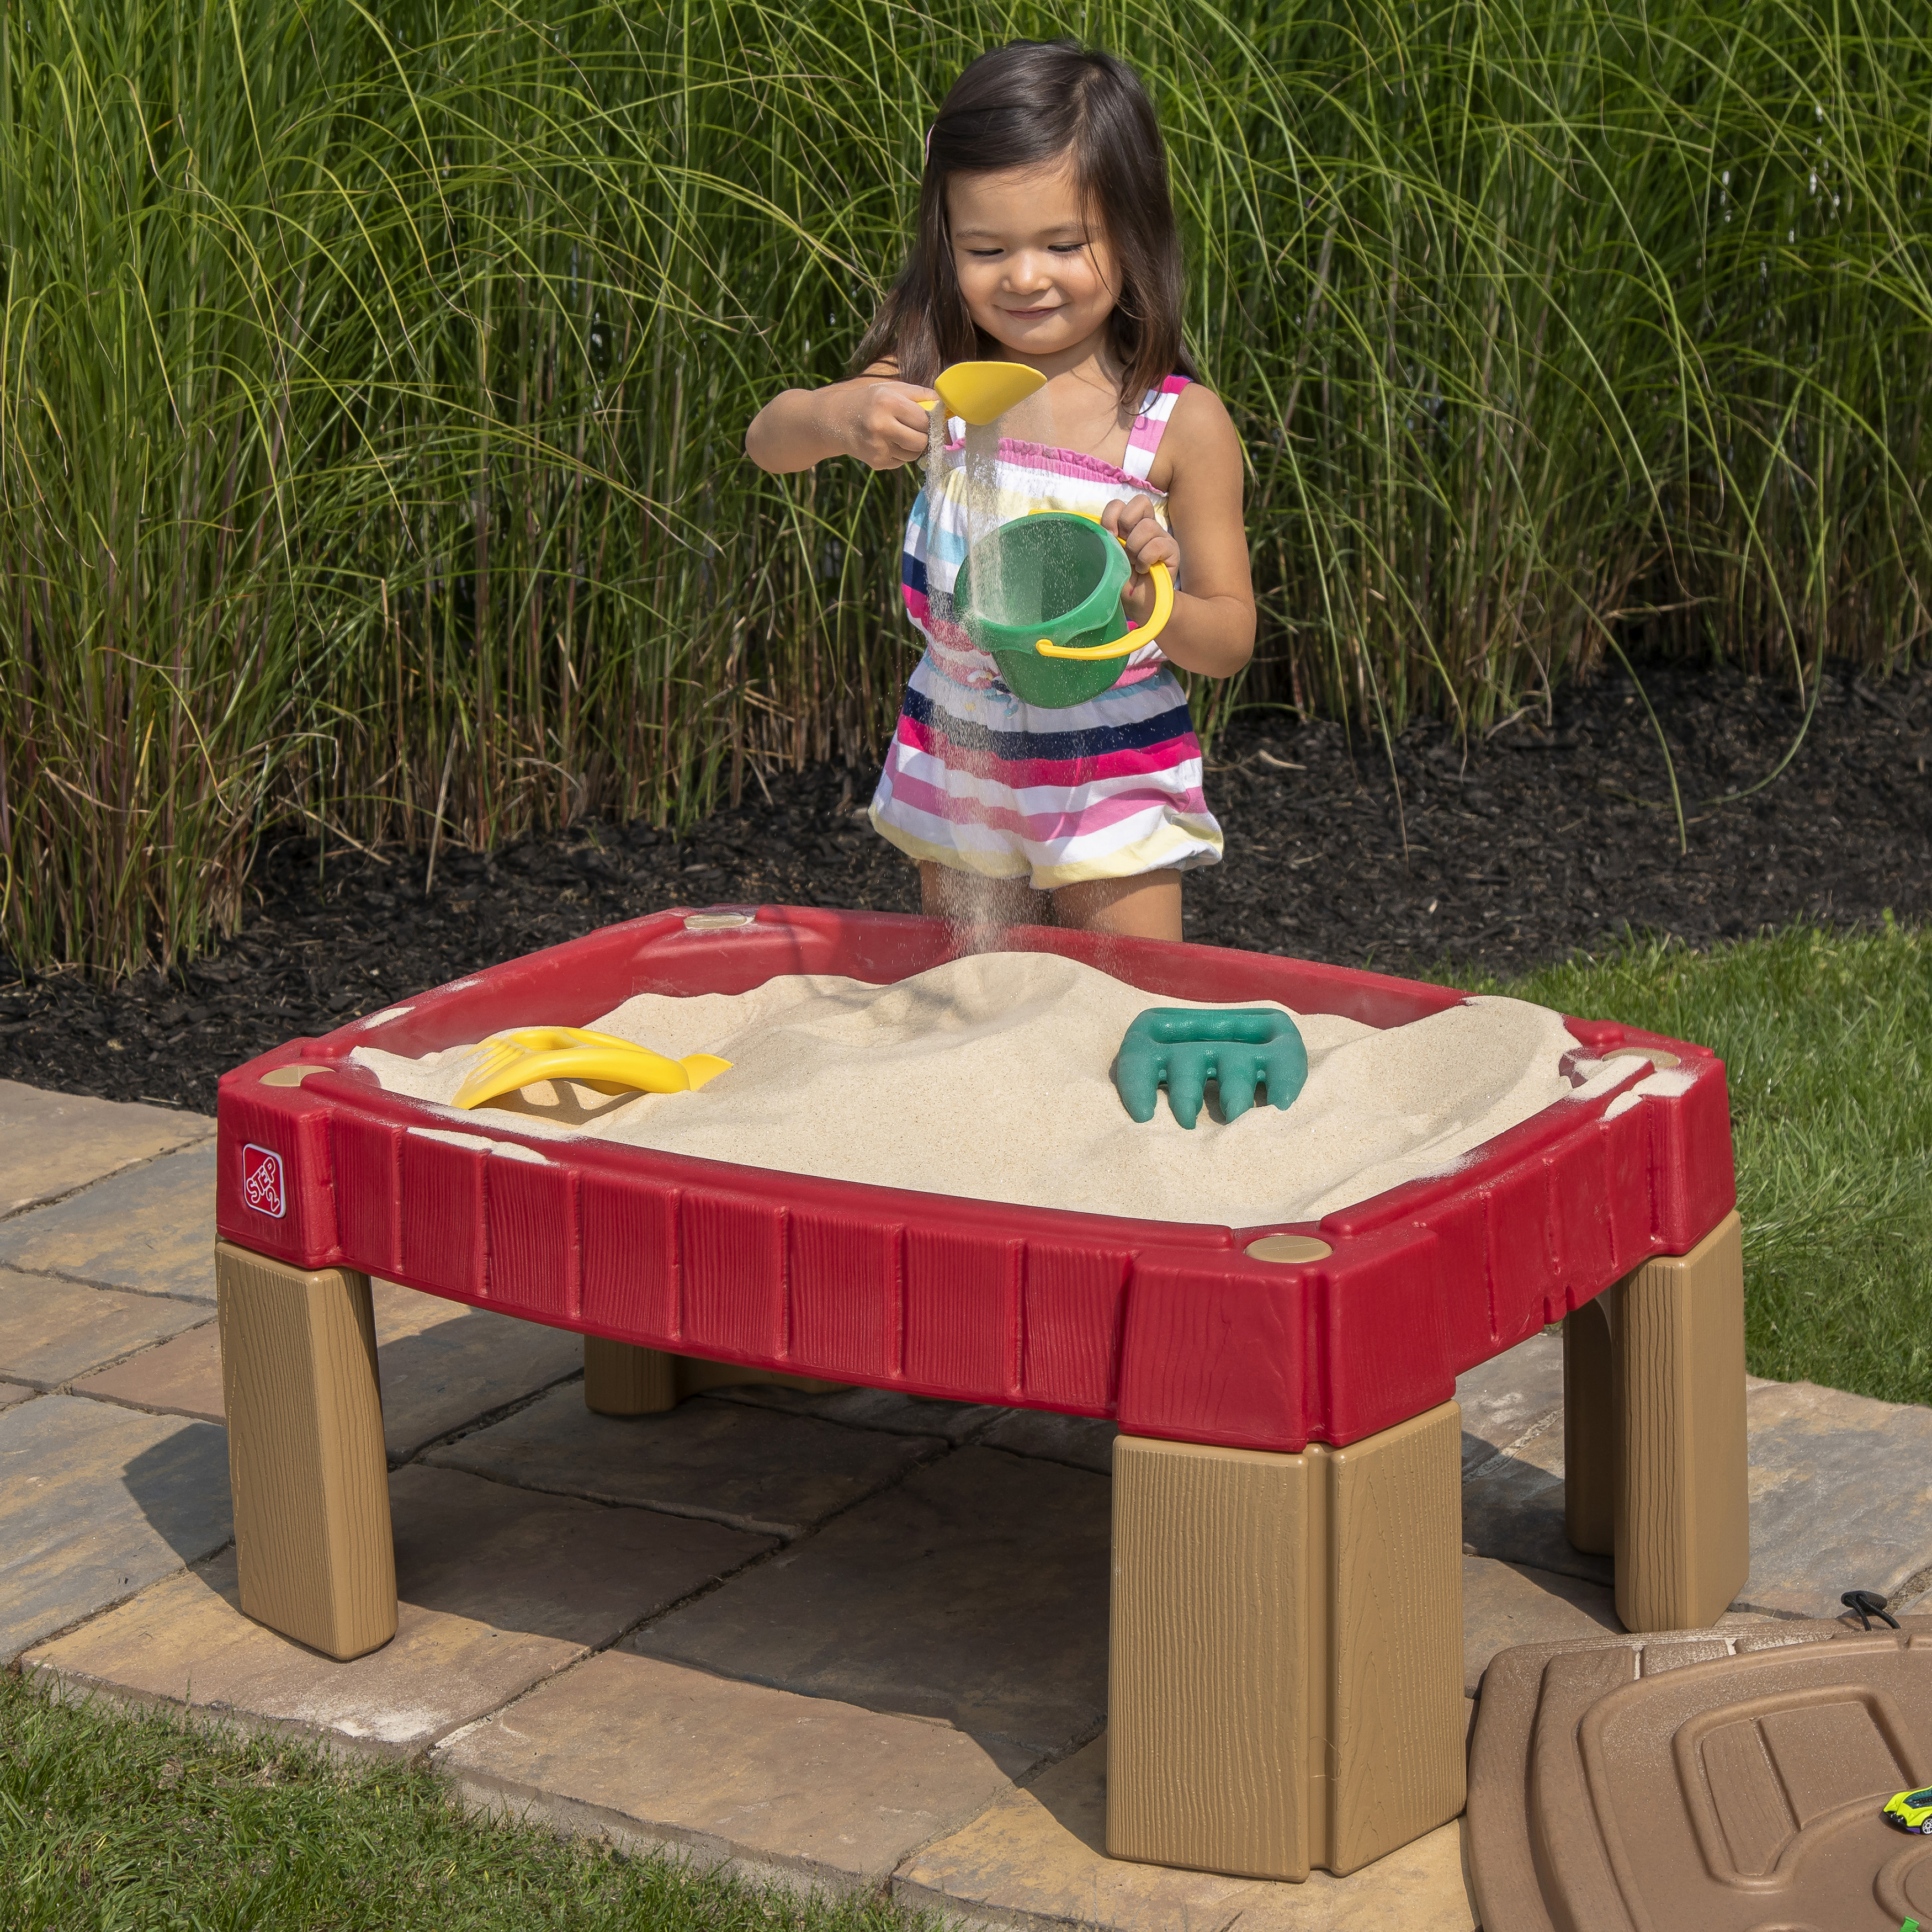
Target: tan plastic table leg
<point>314,1546</point>
<point>1285,1684</point>
<point>621,1378</point>
<point>1682,1493</point>
<point>1589,1428</point>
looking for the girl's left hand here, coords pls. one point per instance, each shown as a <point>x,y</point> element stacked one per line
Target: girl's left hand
<point>1146,544</point>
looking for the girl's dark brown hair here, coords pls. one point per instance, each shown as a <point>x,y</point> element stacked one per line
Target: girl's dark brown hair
<point>1025,106</point>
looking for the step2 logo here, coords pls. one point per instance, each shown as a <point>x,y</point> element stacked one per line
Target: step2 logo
<point>262,1181</point>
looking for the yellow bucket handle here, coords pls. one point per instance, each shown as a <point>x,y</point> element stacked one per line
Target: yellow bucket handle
<point>1121,647</point>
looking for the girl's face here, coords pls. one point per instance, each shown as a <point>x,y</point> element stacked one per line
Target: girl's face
<point>1038,276</point>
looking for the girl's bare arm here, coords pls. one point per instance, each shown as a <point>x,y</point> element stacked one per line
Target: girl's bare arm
<point>874,417</point>
<point>1212,627</point>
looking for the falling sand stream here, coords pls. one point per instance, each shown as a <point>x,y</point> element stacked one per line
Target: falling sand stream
<point>965,472</point>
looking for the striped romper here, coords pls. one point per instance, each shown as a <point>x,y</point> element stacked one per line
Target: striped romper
<point>979,781</point>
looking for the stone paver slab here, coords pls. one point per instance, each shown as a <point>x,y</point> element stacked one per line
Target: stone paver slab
<point>182,1377</point>
<point>96,1502</point>
<point>50,1143</point>
<point>1516,1395</point>
<point>1841,1496</point>
<point>522,1561</point>
<point>12,1392</point>
<point>186,1642</point>
<point>1508,1603</point>
<point>754,1469</point>
<point>51,1332</point>
<point>498,1589</point>
<point>805,1788</point>
<point>868,1408</point>
<point>442,1364</point>
<point>1424,1887</point>
<point>1084,1441</point>
<point>974,1592</point>
<point>1037,1858</point>
<point>152,1230</point>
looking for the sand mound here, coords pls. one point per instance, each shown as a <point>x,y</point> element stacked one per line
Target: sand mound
<point>989,1078</point>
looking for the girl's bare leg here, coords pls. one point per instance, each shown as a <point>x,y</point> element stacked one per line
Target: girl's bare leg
<point>966,898</point>
<point>1145,907</point>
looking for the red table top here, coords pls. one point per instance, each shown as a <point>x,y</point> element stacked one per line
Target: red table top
<point>1171,1328</point>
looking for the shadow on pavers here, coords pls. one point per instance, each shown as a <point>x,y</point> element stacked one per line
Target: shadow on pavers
<point>181,1487</point>
<point>974,1594</point>
<point>1513,1509</point>
<point>96,1503</point>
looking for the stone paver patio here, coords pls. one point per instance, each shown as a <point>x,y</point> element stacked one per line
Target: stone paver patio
<point>857,1640</point>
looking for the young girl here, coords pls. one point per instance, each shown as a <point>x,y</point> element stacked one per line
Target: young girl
<point>1046,237</point>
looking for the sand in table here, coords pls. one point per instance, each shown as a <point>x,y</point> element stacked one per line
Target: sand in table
<point>991,1078</point>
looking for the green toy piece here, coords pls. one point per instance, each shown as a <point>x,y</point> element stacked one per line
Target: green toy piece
<point>1042,594</point>
<point>1186,1048</point>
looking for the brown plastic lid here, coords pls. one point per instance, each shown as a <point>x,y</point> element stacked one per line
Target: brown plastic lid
<point>1703,1781</point>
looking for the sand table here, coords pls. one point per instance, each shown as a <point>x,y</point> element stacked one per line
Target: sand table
<point>989,1077</point>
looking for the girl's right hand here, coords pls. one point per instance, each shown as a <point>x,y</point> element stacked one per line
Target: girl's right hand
<point>880,422</point>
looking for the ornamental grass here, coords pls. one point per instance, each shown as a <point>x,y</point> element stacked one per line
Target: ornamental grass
<point>373,383</point>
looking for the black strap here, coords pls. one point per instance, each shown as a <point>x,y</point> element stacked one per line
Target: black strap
<point>1866,1604</point>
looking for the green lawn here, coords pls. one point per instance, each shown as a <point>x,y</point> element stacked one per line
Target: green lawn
<point>110,1821</point>
<point>1828,1043</point>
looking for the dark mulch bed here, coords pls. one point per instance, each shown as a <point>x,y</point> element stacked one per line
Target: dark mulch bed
<point>1502,853</point>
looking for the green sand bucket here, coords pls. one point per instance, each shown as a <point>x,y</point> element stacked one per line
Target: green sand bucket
<point>1042,594</point>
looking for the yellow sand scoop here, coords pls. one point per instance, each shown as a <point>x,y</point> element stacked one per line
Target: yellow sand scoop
<point>977,392</point>
<point>508,1061</point>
